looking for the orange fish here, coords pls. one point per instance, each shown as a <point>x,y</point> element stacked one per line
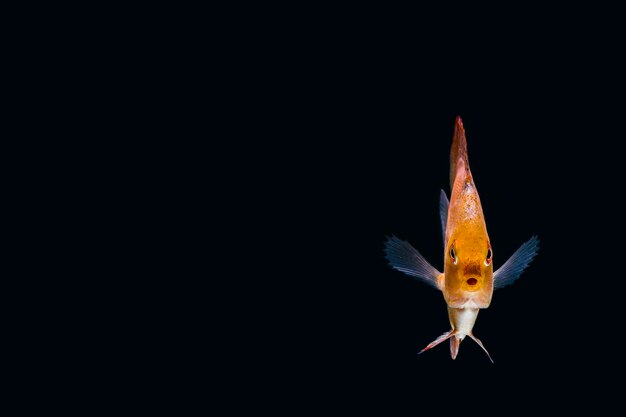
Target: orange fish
<point>468,279</point>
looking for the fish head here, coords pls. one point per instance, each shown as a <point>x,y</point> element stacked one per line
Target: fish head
<point>468,266</point>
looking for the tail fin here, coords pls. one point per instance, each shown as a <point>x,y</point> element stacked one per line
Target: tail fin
<point>458,150</point>
<point>455,342</point>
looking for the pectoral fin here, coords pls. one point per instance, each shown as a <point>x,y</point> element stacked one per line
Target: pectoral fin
<point>405,258</point>
<point>513,268</point>
<point>443,214</point>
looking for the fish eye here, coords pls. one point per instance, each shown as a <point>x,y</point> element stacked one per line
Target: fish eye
<point>488,260</point>
<point>453,256</point>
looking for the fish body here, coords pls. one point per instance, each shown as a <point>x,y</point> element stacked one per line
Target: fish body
<point>468,280</point>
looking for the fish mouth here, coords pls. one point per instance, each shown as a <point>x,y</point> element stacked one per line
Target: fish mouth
<point>472,283</point>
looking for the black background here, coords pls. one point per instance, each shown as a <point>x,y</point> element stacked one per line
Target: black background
<point>344,140</point>
<point>254,171</point>
<point>356,149</point>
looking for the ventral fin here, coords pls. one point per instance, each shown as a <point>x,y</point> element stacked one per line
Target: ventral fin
<point>475,339</point>
<point>438,340</point>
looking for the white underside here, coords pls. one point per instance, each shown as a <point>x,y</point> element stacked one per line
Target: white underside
<point>462,321</point>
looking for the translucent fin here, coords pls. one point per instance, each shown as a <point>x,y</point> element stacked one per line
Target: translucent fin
<point>513,268</point>
<point>405,258</point>
<point>475,339</point>
<point>438,340</point>
<point>454,346</point>
<point>443,214</point>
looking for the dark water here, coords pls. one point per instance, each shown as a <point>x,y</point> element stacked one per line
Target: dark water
<point>367,160</point>
<point>353,148</point>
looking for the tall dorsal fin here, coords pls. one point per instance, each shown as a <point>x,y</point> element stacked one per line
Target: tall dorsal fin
<point>458,150</point>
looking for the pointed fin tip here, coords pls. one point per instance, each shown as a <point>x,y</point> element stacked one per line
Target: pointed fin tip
<point>437,341</point>
<point>459,126</point>
<point>458,150</point>
<point>479,343</point>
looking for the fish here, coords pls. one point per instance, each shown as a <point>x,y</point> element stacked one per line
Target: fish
<point>468,279</point>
